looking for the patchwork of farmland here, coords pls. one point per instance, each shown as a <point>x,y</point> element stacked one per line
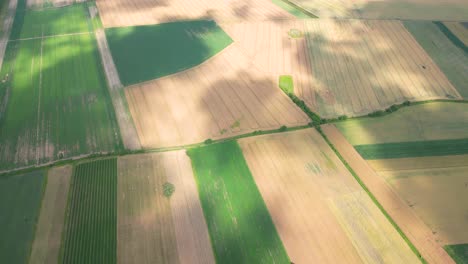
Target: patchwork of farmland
<point>48,236</point>
<point>240,226</point>
<point>154,226</point>
<point>20,201</point>
<point>344,67</point>
<point>387,9</point>
<point>452,60</point>
<point>329,218</point>
<point>121,13</point>
<point>91,217</point>
<point>55,103</point>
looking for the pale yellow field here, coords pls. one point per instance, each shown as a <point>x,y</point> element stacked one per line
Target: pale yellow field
<point>344,67</point>
<point>417,231</point>
<point>222,97</point>
<point>321,213</point>
<point>48,237</point>
<point>459,30</point>
<point>152,228</point>
<point>388,9</point>
<point>119,13</point>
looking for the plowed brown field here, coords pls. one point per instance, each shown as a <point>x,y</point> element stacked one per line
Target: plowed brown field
<point>321,213</point>
<point>222,97</point>
<point>152,228</point>
<point>120,13</point>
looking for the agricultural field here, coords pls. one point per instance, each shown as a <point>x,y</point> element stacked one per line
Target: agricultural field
<point>459,29</point>
<point>149,52</point>
<point>329,218</point>
<point>91,217</point>
<point>38,4</point>
<point>68,113</point>
<point>450,58</point>
<point>291,9</point>
<point>48,236</point>
<point>156,226</point>
<point>220,98</point>
<point>458,252</point>
<point>387,9</point>
<point>122,13</point>
<point>20,202</point>
<point>344,67</point>
<point>240,226</point>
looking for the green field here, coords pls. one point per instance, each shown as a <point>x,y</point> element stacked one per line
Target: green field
<point>459,253</point>
<point>91,217</point>
<point>430,121</point>
<point>452,60</point>
<point>286,84</point>
<point>144,53</point>
<point>288,7</point>
<point>20,201</point>
<point>56,103</point>
<point>240,226</point>
<point>51,21</point>
<point>413,149</point>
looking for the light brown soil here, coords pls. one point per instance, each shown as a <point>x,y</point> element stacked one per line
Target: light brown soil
<point>419,163</point>
<point>411,225</point>
<point>119,13</point>
<point>47,240</point>
<point>320,211</point>
<point>222,97</point>
<point>152,228</point>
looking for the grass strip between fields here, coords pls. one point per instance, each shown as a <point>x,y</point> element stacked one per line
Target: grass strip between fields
<point>240,226</point>
<point>294,9</point>
<point>455,40</point>
<point>413,149</point>
<point>459,252</point>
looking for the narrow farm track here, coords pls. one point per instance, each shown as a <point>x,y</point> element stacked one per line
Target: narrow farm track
<point>411,225</point>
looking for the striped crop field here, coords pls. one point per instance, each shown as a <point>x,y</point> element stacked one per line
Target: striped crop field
<point>91,220</point>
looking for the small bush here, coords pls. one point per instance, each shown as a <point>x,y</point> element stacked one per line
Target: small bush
<point>283,128</point>
<point>208,141</point>
<point>343,117</point>
<point>168,189</point>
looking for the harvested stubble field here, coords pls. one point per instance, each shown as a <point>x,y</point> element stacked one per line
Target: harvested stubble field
<point>410,224</point>
<point>421,122</point>
<point>149,52</point>
<point>344,67</point>
<point>20,202</point>
<point>90,232</point>
<point>222,97</point>
<point>459,29</point>
<point>121,13</point>
<point>153,228</point>
<point>48,237</point>
<point>452,60</point>
<point>55,103</point>
<point>240,226</point>
<point>321,213</point>
<point>387,9</point>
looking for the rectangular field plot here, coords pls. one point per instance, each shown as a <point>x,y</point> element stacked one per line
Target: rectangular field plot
<point>240,226</point>
<point>20,202</point>
<point>153,227</point>
<point>51,21</point>
<point>452,60</point>
<point>56,102</point>
<point>91,217</point>
<point>430,121</point>
<point>321,213</point>
<point>220,98</point>
<point>48,237</point>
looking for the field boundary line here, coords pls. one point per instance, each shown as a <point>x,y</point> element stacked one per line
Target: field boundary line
<point>39,100</point>
<point>7,25</point>
<point>51,36</point>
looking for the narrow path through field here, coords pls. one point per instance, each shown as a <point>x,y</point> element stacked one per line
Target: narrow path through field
<point>52,36</point>
<point>7,28</point>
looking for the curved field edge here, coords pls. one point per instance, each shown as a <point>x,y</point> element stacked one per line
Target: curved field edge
<point>143,53</point>
<point>240,226</point>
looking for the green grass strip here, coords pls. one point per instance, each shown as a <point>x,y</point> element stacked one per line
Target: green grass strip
<point>239,223</point>
<point>455,40</point>
<point>413,149</point>
<point>459,253</point>
<point>293,9</point>
<point>286,83</point>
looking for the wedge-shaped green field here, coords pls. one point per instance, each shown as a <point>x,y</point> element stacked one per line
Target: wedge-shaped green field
<point>239,223</point>
<point>459,253</point>
<point>452,60</point>
<point>20,201</point>
<point>413,149</point>
<point>91,217</point>
<point>143,53</point>
<point>55,102</point>
<point>51,21</point>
